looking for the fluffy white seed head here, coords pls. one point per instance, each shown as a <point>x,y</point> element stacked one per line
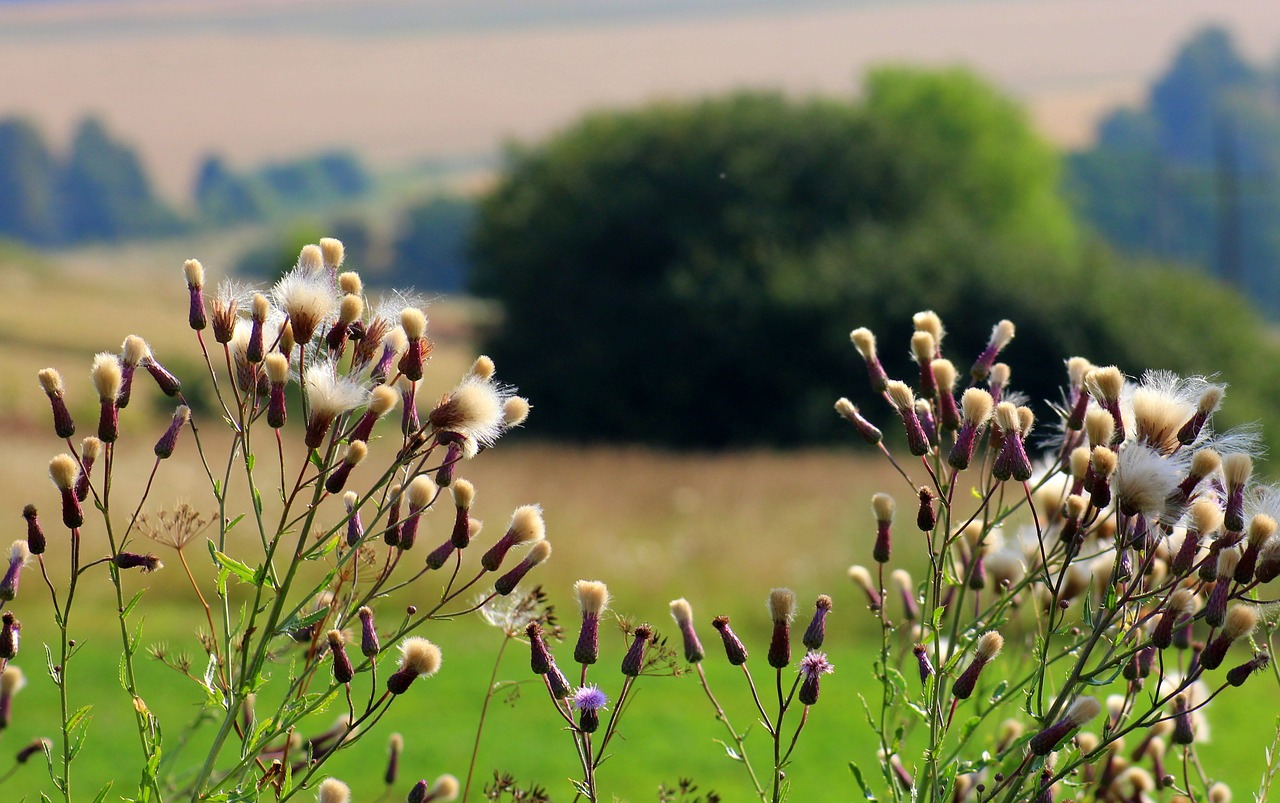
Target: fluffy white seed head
<point>514,411</point>
<point>1261,527</point>
<point>356,452</point>
<point>944,375</point>
<point>420,492</point>
<point>311,258</point>
<point>593,596</point>
<point>12,681</point>
<point>1205,516</point>
<point>277,366</point>
<point>865,342</point>
<point>463,491</point>
<point>349,500</point>
<point>1002,333</point>
<point>1099,427</point>
<point>882,506</point>
<point>307,298</point>
<point>1228,560</point>
<point>922,346</point>
<point>414,323</point>
<point>1241,620</point>
<point>483,367</point>
<point>976,405</point>
<point>1026,420</point>
<point>928,321</point>
<point>350,308</point>
<point>50,381</point>
<point>382,400</point>
<point>19,553</point>
<point>1210,399</point>
<point>1144,479</point>
<point>1204,462</point>
<point>349,283</point>
<point>989,646</point>
<point>91,448</point>
<point>527,524</point>
<point>538,553</point>
<point>445,788</point>
<point>1237,467</point>
<point>194,273</point>
<point>901,395</point>
<point>782,604</point>
<point>1105,384</point>
<point>64,470</point>
<point>475,408</point>
<point>1183,601</point>
<point>682,612</point>
<point>332,252</point>
<point>329,393</point>
<point>1000,374</point>
<point>107,375</point>
<point>419,656</point>
<point>134,350</point>
<point>1077,368</point>
<point>1079,462</point>
<point>1007,417</point>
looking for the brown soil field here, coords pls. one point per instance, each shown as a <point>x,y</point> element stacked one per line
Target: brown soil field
<point>256,82</point>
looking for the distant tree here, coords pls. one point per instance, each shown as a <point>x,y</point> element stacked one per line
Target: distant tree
<point>105,193</point>
<point>654,265</point>
<point>430,250</point>
<point>223,197</point>
<point>28,185</point>
<point>316,180</point>
<point>275,254</point>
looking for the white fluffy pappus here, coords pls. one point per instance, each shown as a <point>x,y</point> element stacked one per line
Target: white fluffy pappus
<point>1145,478</point>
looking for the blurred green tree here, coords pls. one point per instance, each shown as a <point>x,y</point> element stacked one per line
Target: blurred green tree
<point>28,178</point>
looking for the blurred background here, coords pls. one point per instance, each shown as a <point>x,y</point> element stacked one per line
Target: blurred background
<point>662,218</point>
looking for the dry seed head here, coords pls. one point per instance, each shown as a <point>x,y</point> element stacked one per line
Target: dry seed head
<point>420,492</point>
<point>1145,479</point>
<point>107,375</point>
<point>922,347</point>
<point>902,579</point>
<point>923,408</point>
<point>50,381</point>
<point>307,299</point>
<point>1183,601</point>
<point>514,411</point>
<point>1205,462</point>
<point>593,596</point>
<point>882,506</point>
<point>91,448</point>
<point>1237,467</point>
<point>331,394</point>
<point>1077,368</point>
<point>483,367</point>
<point>1261,527</point>
<point>464,493</point>
<point>64,470</point>
<point>414,323</point>
<point>1099,427</point>
<point>1026,420</point>
<point>1007,417</point>
<point>349,283</point>
<point>989,646</point>
<point>332,252</point>
<point>419,656</point>
<point>334,791</point>
<point>1134,782</point>
<point>261,308</point>
<point>475,407</point>
<point>1077,504</point>
<point>538,553</point>
<point>1104,461</point>
<point>682,612</point>
<point>976,405</point>
<point>901,396</point>
<point>944,375</point>
<point>1206,515</point>
<point>846,408</point>
<point>19,553</point>
<point>1000,374</point>
<point>527,524</point>
<point>1228,560</point>
<point>277,368</point>
<point>1219,793</point>
<point>311,258</point>
<point>356,452</point>
<point>1210,399</point>
<point>11,681</point>
<point>382,400</point>
<point>350,308</point>
<point>134,350</point>
<point>1001,334</point>
<point>349,500</point>
<point>1241,620</point>
<point>194,273</point>
<point>445,788</point>
<point>1079,462</point>
<point>865,342</point>
<point>862,578</point>
<point>1105,383</point>
<point>782,604</point>
<point>928,321</point>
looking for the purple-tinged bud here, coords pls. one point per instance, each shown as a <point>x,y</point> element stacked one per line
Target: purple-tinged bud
<point>882,507</point>
<point>391,535</point>
<point>505,584</point>
<point>463,493</point>
<point>254,350</point>
<point>439,556</point>
<point>557,683</point>
<point>593,598</point>
<point>682,612</point>
<point>63,470</point>
<point>1240,622</point>
<point>355,528</point>
<point>369,645</point>
<point>1185,558</point>
<point>19,554</point>
<point>444,475</point>
<point>395,746</point>
<point>998,380</point>
<point>1241,673</point>
<point>194,272</point>
<point>1045,795</point>
<point>1183,727</point>
<point>926,516</point>
<point>343,671</point>
<point>1080,712</point>
<point>1261,529</point>
<point>355,454</point>
<point>169,440</point>
<point>633,661</point>
<point>812,667</point>
<point>589,701</point>
<point>1180,606</point>
<point>35,746</point>
<point>865,342</point>
<point>922,660</point>
<point>10,631</point>
<point>922,349</point>
<point>135,350</point>
<point>166,381</point>
<point>1215,610</point>
<point>51,382</point>
<point>1268,561</point>
<point>944,377</point>
<point>1001,334</point>
<point>734,649</point>
<point>11,682</point>
<point>989,646</point>
<point>414,324</point>
<point>907,591</point>
<point>35,533</point>
<point>976,405</point>
<point>527,526</point>
<point>924,412</point>
<point>1075,419</point>
<point>382,368</point>
<point>1237,468</point>
<point>1207,405</point>
<point>1012,461</point>
<point>420,493</point>
<point>816,632</point>
<point>904,402</point>
<point>862,579</point>
<point>418,658</point>
<point>133,560</point>
<point>108,421</point>
<point>865,428</point>
<point>540,660</point>
<point>782,603</point>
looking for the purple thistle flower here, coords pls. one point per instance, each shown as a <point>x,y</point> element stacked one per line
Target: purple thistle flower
<point>589,701</point>
<point>812,667</point>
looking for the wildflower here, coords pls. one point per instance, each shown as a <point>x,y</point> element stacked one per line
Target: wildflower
<point>369,645</point>
<point>391,535</point>
<point>329,396</point>
<point>306,296</point>
<point>989,646</point>
<point>1180,606</point>
<point>1012,460</point>
<point>865,428</point>
<point>515,411</point>
<point>1080,711</point>
<point>12,681</point>
<point>903,401</point>
<point>90,451</point>
<point>463,493</point>
<point>865,342</point>
<point>1261,529</point>
<point>976,405</point>
<point>527,526</point>
<point>355,453</point>
<point>633,661</point>
<point>51,383</point>
<point>418,658</point>
<point>593,599</point>
<point>816,632</point>
<point>1237,468</point>
<point>133,351</point>
<point>1162,404</point>
<point>923,663</point>
<point>922,350</point>
<point>421,494</point>
<point>393,342</point>
<point>343,671</point>
<point>355,528</point>
<point>862,579</point>
<point>1203,463</point>
<point>35,533</point>
<point>682,612</point>
<point>1206,406</point>
<point>277,366</point>
<point>34,746</point>
<point>395,746</point>
<point>1001,334</point>
<point>350,310</point>
<point>107,376</point>
<point>589,700</point>
<point>734,649</point>
<point>1077,369</point>
<point>381,401</point>
<point>132,560</point>
<point>414,324</point>
<point>334,791</point>
<point>944,377</point>
<point>194,273</point>
<point>505,584</point>
<point>10,632</point>
<point>1239,623</point>
<point>1105,385</point>
<point>1144,479</point>
<point>998,381</point>
<point>928,321</point>
<point>782,603</point>
<point>1241,673</point>
<point>1183,725</point>
<point>63,471</point>
<point>169,440</point>
<point>882,506</point>
<point>473,410</point>
<point>259,309</point>
<point>444,788</point>
<point>812,667</point>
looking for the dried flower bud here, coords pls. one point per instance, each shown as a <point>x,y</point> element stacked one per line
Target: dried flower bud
<point>682,612</point>
<point>989,646</point>
<point>169,440</point>
<point>343,671</point>
<point>369,645</point>
<point>1001,334</point>
<point>633,661</point>
<point>418,658</point>
<point>816,632</point>
<point>734,649</point>
<point>865,428</point>
<point>1080,712</point>
<point>865,342</point>
<point>593,599</point>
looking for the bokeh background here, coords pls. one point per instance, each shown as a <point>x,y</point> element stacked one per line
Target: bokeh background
<point>661,218</point>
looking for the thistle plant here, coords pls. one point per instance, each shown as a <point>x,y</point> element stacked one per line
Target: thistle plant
<point>1090,584</point>
<point>332,491</point>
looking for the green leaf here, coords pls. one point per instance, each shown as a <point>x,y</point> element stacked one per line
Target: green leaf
<point>240,570</point>
<point>102,795</point>
<point>733,754</point>
<point>297,622</point>
<point>867,794</point>
<point>128,609</point>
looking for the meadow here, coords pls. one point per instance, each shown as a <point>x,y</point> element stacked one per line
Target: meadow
<point>719,529</point>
